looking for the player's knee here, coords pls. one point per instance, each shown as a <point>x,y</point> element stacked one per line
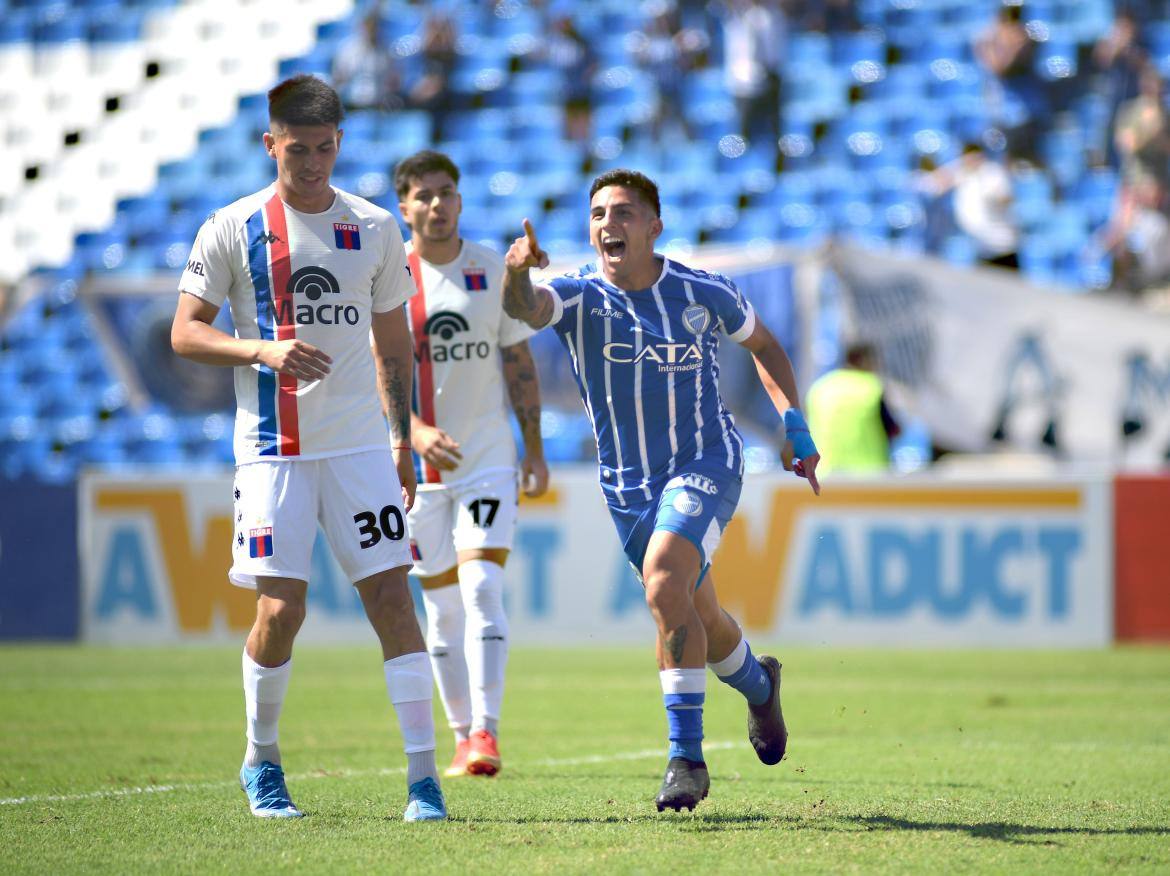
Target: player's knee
<point>281,617</point>
<point>486,601</point>
<point>665,590</point>
<point>483,591</point>
<point>444,627</point>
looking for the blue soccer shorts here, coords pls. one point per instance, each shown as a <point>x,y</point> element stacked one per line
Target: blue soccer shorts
<point>695,503</point>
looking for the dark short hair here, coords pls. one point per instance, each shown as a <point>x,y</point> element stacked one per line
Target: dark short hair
<point>304,100</point>
<point>861,354</point>
<point>629,179</point>
<point>419,165</point>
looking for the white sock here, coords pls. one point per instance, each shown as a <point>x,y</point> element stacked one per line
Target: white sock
<point>733,662</point>
<point>410,683</point>
<point>486,639</point>
<point>264,690</point>
<point>445,622</point>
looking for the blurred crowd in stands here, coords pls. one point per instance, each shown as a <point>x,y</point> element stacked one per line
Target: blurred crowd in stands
<point>1031,137</point>
<point>1028,90</point>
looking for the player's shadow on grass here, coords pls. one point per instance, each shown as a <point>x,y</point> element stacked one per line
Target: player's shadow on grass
<point>1017,834</point>
<point>697,820</point>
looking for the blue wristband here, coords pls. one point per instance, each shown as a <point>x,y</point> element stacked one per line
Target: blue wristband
<point>796,431</point>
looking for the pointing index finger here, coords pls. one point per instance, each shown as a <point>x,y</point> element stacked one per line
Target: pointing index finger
<point>530,233</point>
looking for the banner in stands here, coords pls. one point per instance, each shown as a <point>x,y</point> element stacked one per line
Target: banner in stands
<point>905,562</point>
<point>989,360</point>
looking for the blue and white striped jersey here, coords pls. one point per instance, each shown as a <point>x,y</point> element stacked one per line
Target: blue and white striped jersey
<point>647,367</point>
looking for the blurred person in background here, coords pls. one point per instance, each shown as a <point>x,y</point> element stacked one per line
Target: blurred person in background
<point>643,333</point>
<point>1138,239</point>
<point>982,198</point>
<point>567,51</point>
<point>430,91</point>
<point>364,71</point>
<point>464,517</point>
<point>1117,61</point>
<point>754,36</point>
<point>311,273</point>
<point>847,409</point>
<point>1142,137</point>
<point>668,52</point>
<point>1018,100</point>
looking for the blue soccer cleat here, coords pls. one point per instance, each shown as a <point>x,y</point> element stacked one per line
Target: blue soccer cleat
<point>267,793</point>
<point>424,802</point>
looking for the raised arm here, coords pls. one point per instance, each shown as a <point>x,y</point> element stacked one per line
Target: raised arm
<point>779,380</point>
<point>394,361</point>
<point>522,300</point>
<point>194,337</point>
<point>524,392</point>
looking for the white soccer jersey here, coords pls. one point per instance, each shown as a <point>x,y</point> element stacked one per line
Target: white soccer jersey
<point>314,276</point>
<point>458,323</point>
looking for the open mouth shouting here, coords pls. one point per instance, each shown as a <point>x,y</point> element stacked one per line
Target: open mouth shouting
<point>613,247</point>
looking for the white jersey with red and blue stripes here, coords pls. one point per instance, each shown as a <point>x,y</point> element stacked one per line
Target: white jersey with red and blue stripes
<point>458,324</point>
<point>647,368</point>
<point>313,276</point>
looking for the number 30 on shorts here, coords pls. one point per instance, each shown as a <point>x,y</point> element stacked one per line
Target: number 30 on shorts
<point>388,523</point>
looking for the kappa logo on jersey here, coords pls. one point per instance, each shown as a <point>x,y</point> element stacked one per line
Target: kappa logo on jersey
<point>446,324</point>
<point>688,504</point>
<point>266,238</point>
<point>475,279</point>
<point>668,357</point>
<point>696,318</point>
<point>313,283</point>
<point>699,482</point>
<point>346,236</point>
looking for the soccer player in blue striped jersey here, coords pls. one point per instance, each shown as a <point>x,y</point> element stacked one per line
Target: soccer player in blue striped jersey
<point>642,332</point>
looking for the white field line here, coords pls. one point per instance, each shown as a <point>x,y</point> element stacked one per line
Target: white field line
<point>180,787</point>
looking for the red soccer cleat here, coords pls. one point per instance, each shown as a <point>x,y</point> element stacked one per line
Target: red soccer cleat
<point>459,762</point>
<point>484,757</point>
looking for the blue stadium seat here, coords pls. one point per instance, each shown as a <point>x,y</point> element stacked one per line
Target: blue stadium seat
<point>1096,194</point>
<point>408,129</point>
<point>808,49</point>
<point>1031,196</point>
<point>752,223</point>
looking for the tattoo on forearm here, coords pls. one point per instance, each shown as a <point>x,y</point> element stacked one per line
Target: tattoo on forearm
<point>519,296</point>
<point>523,391</point>
<point>676,642</point>
<point>523,302</point>
<point>396,402</point>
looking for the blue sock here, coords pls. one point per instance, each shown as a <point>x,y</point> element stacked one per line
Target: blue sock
<point>684,720</point>
<point>750,679</point>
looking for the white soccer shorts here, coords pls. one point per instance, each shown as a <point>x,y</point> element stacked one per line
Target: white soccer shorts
<point>356,499</point>
<point>477,513</point>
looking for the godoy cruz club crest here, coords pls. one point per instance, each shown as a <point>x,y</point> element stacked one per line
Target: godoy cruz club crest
<point>696,318</point>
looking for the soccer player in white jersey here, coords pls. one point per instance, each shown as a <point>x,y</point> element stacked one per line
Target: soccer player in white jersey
<point>467,350</point>
<point>642,333</point>
<point>310,273</point>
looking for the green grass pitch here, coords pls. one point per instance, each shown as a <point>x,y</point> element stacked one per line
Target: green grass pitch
<point>124,761</point>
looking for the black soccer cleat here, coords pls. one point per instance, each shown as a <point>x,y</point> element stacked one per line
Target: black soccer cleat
<point>766,730</point>
<point>686,783</point>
